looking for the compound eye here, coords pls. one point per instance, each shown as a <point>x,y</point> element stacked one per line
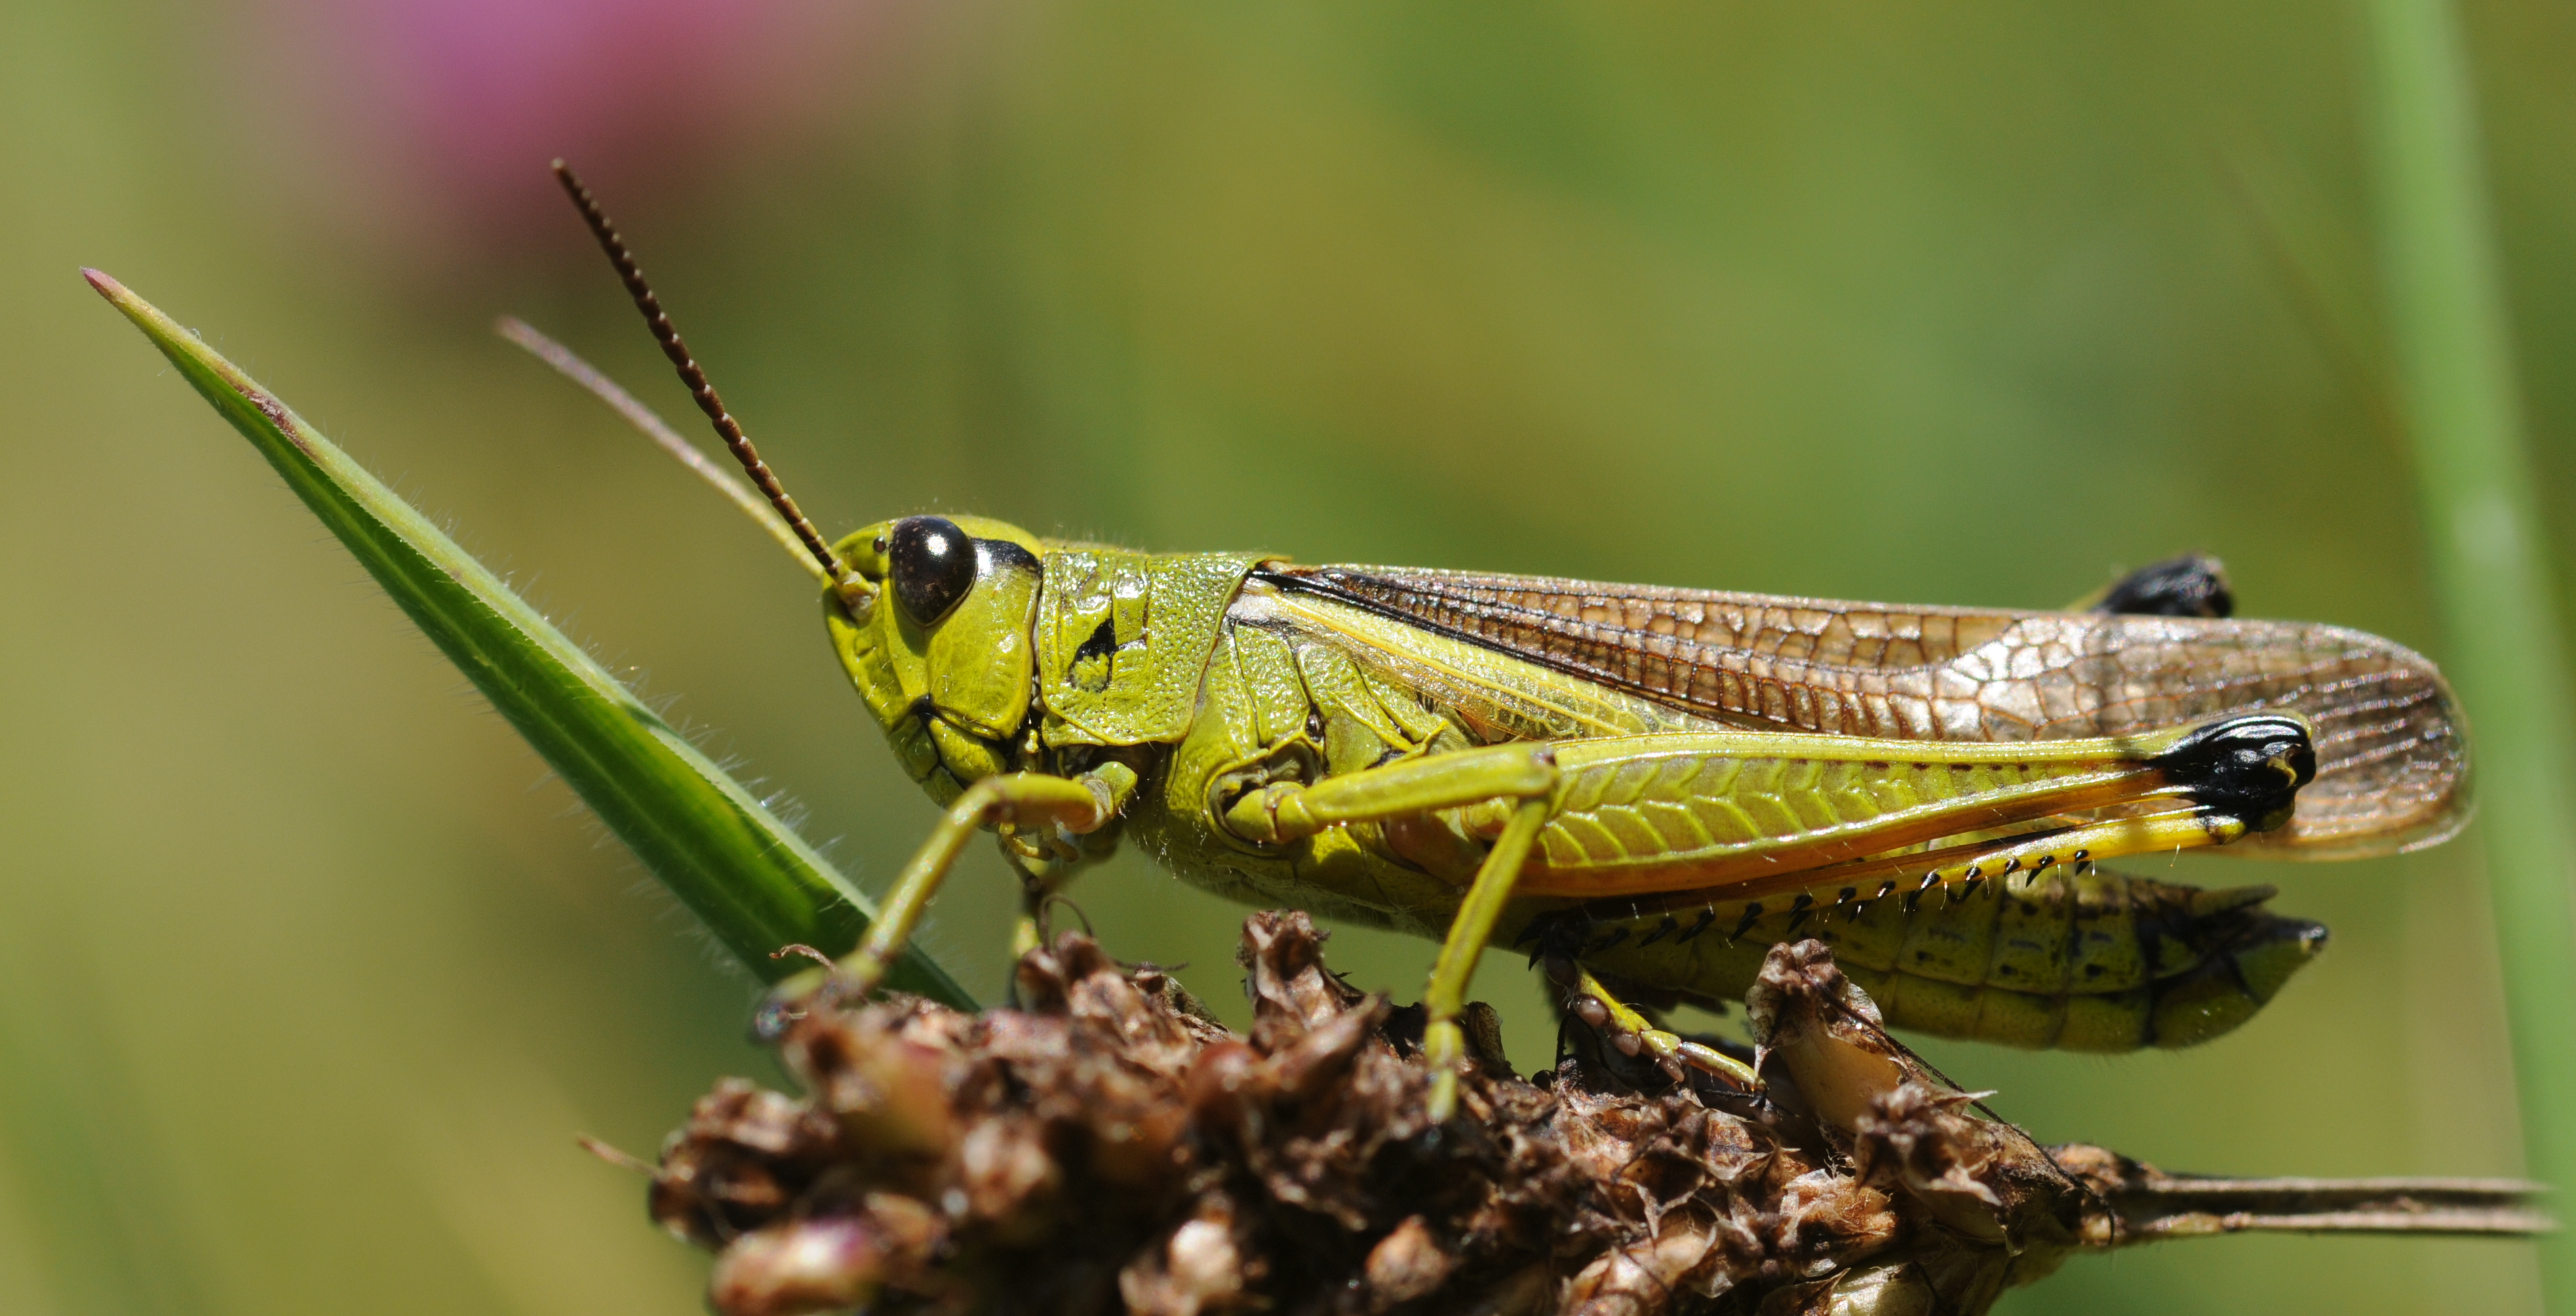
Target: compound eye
<point>932,565</point>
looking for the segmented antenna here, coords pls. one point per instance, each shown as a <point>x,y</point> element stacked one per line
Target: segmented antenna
<point>569,364</point>
<point>704,393</point>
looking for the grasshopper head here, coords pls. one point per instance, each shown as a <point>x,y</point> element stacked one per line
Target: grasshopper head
<point>932,617</point>
<point>941,647</point>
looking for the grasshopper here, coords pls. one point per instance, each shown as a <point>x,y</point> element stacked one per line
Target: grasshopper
<point>1654,784</point>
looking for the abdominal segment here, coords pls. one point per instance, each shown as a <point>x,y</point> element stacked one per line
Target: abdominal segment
<point>2072,958</point>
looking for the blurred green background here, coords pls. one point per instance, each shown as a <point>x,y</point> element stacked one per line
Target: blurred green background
<point>308,974</point>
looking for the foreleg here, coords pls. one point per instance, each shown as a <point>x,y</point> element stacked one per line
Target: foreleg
<point>1080,805</point>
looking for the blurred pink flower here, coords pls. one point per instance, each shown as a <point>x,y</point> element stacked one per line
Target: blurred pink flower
<point>456,105</point>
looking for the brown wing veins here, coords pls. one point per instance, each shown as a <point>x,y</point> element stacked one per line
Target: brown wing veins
<point>2393,767</point>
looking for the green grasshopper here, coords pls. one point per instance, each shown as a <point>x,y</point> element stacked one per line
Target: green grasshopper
<point>1654,784</point>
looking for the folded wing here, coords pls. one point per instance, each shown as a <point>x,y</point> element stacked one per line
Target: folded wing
<point>2391,747</point>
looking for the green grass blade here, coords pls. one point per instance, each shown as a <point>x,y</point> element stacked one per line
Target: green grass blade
<point>2482,523</point>
<point>757,884</point>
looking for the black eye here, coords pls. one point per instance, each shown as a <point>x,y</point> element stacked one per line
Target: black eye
<point>932,564</point>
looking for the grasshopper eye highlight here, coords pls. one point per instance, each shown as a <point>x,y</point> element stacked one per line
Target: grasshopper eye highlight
<point>932,564</point>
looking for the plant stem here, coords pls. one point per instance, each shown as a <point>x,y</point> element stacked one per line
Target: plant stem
<point>2454,359</point>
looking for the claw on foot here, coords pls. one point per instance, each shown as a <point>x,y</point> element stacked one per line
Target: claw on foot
<point>1633,1034</point>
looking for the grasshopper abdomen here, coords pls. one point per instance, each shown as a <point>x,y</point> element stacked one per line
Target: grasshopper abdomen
<point>2074,957</point>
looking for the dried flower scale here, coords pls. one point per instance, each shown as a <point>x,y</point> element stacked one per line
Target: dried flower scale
<point>1108,1148</point>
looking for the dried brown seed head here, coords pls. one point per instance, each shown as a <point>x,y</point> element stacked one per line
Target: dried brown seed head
<point>1109,1148</point>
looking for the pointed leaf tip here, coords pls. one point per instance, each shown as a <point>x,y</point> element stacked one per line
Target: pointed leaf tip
<point>754,881</point>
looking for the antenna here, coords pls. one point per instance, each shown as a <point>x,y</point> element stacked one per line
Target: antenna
<point>569,364</point>
<point>704,393</point>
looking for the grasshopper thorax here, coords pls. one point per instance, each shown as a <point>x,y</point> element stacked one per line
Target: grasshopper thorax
<point>942,651</point>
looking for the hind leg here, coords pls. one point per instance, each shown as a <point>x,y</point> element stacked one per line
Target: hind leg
<point>1633,1034</point>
